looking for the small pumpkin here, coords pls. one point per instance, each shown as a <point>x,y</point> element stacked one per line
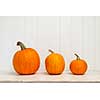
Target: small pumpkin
<point>26,61</point>
<point>54,63</point>
<point>78,66</point>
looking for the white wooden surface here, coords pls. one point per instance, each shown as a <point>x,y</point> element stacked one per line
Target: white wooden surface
<point>90,77</point>
<point>66,35</point>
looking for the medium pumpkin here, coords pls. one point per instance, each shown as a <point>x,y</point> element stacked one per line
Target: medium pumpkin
<point>26,61</point>
<point>54,63</point>
<point>78,66</point>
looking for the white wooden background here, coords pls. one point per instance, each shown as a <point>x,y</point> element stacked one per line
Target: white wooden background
<point>67,35</point>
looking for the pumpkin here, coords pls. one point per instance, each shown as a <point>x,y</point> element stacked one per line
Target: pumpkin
<point>78,66</point>
<point>26,61</point>
<point>54,63</point>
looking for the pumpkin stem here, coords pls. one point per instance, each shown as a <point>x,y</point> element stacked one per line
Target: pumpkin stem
<point>21,45</point>
<point>77,57</point>
<point>51,51</point>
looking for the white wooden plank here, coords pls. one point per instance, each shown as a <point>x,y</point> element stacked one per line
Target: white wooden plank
<point>30,31</point>
<point>65,39</point>
<point>66,77</point>
<point>76,32</point>
<point>11,30</point>
<point>97,42</point>
<point>48,36</point>
<point>89,45</point>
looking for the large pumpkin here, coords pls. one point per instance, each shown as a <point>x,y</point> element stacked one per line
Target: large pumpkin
<point>54,63</point>
<point>26,61</point>
<point>78,66</point>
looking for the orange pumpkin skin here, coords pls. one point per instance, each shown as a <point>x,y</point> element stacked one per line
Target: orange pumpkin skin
<point>78,66</point>
<point>26,61</point>
<point>54,64</point>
